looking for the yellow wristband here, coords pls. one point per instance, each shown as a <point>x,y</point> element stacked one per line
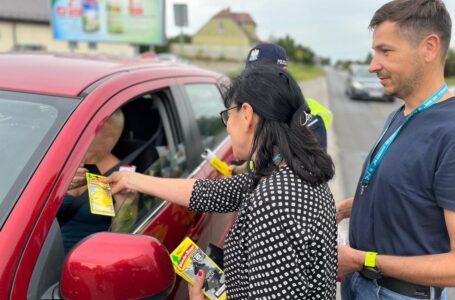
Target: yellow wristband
<point>370,259</point>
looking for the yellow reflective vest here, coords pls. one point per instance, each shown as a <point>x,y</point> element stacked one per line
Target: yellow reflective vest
<point>317,108</point>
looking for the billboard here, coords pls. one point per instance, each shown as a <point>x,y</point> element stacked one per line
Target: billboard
<point>120,21</point>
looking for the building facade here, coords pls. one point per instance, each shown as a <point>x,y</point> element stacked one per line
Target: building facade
<point>226,36</point>
<point>227,28</point>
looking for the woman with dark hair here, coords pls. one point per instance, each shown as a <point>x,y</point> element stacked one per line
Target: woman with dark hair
<point>283,243</point>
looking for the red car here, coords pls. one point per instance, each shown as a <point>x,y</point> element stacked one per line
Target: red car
<point>51,106</point>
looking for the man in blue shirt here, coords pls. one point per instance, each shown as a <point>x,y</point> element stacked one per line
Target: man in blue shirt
<point>402,227</point>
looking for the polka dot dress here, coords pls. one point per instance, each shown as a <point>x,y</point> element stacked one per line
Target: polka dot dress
<point>283,243</point>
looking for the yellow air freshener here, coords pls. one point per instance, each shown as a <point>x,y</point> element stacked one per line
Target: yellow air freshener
<point>216,162</point>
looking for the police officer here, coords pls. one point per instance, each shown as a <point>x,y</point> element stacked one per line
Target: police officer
<point>273,54</point>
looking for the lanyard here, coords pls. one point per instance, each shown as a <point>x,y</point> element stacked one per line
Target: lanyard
<point>373,164</point>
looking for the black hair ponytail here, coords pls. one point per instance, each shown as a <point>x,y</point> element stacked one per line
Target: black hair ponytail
<point>283,114</point>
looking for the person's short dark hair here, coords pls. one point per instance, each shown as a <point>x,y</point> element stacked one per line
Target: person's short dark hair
<point>416,19</point>
<point>281,108</point>
<point>266,54</point>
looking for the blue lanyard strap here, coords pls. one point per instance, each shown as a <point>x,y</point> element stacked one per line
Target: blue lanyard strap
<point>378,157</point>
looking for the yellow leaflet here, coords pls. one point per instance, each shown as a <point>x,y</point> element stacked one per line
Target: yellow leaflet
<point>100,196</point>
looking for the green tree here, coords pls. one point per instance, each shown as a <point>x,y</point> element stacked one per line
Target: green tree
<point>296,52</point>
<point>449,69</point>
<point>324,61</point>
<point>368,59</point>
<point>173,40</point>
<point>306,55</point>
<point>288,44</point>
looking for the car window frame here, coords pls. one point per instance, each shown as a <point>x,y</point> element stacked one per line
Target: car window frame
<point>195,132</point>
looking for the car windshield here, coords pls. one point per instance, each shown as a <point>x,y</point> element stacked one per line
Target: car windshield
<point>28,124</point>
<point>363,72</point>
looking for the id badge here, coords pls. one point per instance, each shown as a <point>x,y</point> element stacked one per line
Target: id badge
<point>100,196</point>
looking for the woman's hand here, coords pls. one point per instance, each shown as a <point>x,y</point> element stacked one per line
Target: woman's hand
<point>195,290</point>
<point>120,181</point>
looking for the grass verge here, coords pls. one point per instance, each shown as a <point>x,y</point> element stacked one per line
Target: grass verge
<point>302,72</point>
<point>299,72</point>
<point>450,81</point>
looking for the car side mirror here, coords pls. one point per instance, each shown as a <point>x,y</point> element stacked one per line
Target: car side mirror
<point>110,265</point>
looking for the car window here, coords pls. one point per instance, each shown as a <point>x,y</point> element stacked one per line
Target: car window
<point>206,102</point>
<point>23,126</point>
<point>147,118</point>
<point>28,124</point>
<point>144,137</point>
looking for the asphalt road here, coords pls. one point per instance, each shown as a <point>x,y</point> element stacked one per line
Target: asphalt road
<point>356,126</point>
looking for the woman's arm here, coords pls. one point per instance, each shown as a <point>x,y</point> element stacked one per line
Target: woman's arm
<point>207,195</point>
<point>175,190</point>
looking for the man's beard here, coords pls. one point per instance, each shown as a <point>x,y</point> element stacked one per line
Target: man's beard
<point>405,87</point>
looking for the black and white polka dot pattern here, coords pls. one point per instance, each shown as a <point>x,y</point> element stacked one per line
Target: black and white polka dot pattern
<point>283,243</point>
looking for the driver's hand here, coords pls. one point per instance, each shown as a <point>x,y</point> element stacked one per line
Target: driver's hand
<point>78,178</point>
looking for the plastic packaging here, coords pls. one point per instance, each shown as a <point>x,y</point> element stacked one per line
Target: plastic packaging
<point>188,259</point>
<point>216,162</point>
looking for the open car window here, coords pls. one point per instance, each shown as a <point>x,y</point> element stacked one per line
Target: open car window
<point>147,117</point>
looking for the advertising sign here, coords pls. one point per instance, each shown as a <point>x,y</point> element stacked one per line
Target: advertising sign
<point>181,15</point>
<point>122,21</point>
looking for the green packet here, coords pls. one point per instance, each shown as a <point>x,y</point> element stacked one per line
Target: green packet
<point>100,196</point>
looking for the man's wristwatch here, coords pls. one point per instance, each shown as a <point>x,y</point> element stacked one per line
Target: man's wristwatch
<point>369,269</point>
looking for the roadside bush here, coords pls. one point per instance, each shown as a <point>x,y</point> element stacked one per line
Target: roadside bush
<point>449,69</point>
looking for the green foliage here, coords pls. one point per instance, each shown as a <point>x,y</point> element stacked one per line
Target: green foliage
<point>288,44</point>
<point>234,73</point>
<point>305,72</point>
<point>345,64</point>
<point>296,52</point>
<point>368,59</point>
<point>298,71</point>
<point>450,81</point>
<point>173,40</point>
<point>324,61</point>
<point>449,70</point>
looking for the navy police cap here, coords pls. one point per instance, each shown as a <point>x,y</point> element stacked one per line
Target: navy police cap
<point>266,53</point>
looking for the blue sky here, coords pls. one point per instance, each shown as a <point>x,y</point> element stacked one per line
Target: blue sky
<point>332,28</point>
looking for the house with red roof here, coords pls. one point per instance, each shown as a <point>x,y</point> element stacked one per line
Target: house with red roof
<point>227,28</point>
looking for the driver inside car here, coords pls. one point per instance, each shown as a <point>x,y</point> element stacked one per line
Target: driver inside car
<point>74,216</point>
